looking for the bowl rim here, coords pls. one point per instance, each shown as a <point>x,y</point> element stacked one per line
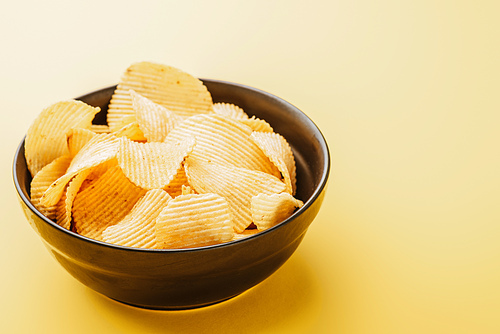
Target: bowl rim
<point>316,193</point>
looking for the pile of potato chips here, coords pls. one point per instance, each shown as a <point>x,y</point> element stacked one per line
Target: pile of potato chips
<point>171,169</point>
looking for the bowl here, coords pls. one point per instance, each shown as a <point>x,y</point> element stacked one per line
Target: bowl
<point>195,277</point>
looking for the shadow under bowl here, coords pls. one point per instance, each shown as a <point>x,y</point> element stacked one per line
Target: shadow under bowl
<point>196,277</point>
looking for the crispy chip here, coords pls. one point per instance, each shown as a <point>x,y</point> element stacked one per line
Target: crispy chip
<point>223,140</point>
<point>129,128</point>
<point>245,234</point>
<point>172,88</point>
<point>137,228</point>
<point>257,124</point>
<point>46,137</point>
<point>236,185</point>
<point>78,138</point>
<point>154,120</point>
<point>194,220</point>
<point>230,110</point>
<point>65,204</point>
<point>175,186</point>
<point>269,210</point>
<point>43,179</point>
<point>152,165</point>
<point>101,148</point>
<point>100,128</point>
<point>279,152</point>
<point>104,203</point>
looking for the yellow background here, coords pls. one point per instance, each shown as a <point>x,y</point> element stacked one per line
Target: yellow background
<point>407,96</point>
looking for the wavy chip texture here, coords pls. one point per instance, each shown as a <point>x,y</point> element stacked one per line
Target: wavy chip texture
<point>99,149</point>
<point>152,165</point>
<point>154,120</point>
<point>236,185</point>
<point>170,87</point>
<point>104,203</point>
<point>279,152</point>
<point>43,179</point>
<point>46,137</point>
<point>223,140</point>
<point>77,139</point>
<point>230,110</point>
<point>269,210</point>
<point>194,220</point>
<point>65,204</point>
<point>137,228</point>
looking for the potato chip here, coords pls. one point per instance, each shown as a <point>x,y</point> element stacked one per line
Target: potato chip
<point>170,87</point>
<point>43,179</point>
<point>179,181</point>
<point>245,234</point>
<point>78,138</point>
<point>223,140</point>
<point>257,124</point>
<point>236,185</point>
<point>152,165</point>
<point>104,203</point>
<point>101,148</point>
<point>194,220</point>
<point>136,229</point>
<point>46,137</point>
<point>65,204</point>
<point>100,128</point>
<point>230,110</point>
<point>187,190</point>
<point>154,120</point>
<point>269,210</point>
<point>279,152</point>
<point>131,131</point>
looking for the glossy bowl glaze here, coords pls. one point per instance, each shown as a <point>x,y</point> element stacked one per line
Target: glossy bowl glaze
<point>190,278</point>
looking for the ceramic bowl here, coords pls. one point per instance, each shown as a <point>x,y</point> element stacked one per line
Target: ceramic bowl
<point>190,278</point>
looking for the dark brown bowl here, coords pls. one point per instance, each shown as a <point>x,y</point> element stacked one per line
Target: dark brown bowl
<point>190,278</point>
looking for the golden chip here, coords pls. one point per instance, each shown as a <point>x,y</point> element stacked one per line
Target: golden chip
<point>137,228</point>
<point>269,210</point>
<point>170,87</point>
<point>245,234</point>
<point>175,186</point>
<point>43,179</point>
<point>257,124</point>
<point>101,148</point>
<point>65,204</point>
<point>230,110</point>
<point>46,137</point>
<point>104,203</point>
<point>194,220</point>
<point>236,185</point>
<point>279,152</point>
<point>154,120</point>
<point>78,138</point>
<point>100,128</point>
<point>152,165</point>
<point>223,140</point>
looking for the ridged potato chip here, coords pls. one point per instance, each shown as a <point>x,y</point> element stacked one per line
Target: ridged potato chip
<point>65,204</point>
<point>101,148</point>
<point>279,152</point>
<point>104,203</point>
<point>131,131</point>
<point>78,138</point>
<point>152,165</point>
<point>136,229</point>
<point>245,234</point>
<point>194,220</point>
<point>236,185</point>
<point>154,120</point>
<point>269,210</point>
<point>223,140</point>
<point>179,181</point>
<point>100,128</point>
<point>43,179</point>
<point>257,124</point>
<point>230,110</point>
<point>46,137</point>
<point>170,87</point>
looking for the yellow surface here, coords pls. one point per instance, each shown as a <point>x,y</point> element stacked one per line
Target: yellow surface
<point>407,95</point>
